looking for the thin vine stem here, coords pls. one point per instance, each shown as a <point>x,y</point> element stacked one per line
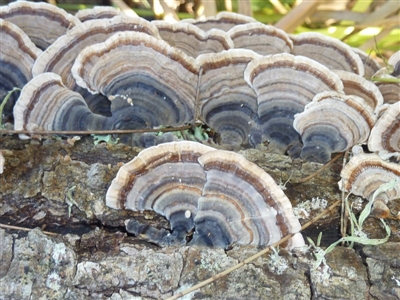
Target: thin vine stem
<point>321,169</point>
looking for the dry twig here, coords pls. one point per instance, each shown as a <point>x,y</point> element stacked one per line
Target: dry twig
<point>26,229</point>
<point>320,170</point>
<point>97,132</point>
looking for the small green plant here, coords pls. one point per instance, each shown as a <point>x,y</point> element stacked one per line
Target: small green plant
<point>197,134</point>
<point>356,233</point>
<point>109,139</point>
<point>277,263</point>
<point>3,104</point>
<point>283,185</point>
<point>387,80</point>
<point>389,69</point>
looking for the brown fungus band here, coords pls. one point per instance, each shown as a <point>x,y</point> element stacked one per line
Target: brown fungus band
<point>359,86</point>
<point>221,196</point>
<point>191,39</point>
<point>262,39</point>
<point>328,51</point>
<point>98,12</point>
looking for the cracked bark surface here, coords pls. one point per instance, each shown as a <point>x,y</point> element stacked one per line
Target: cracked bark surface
<point>61,188</point>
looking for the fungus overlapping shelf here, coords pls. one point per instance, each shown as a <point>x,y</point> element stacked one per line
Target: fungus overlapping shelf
<point>222,196</point>
<point>307,96</point>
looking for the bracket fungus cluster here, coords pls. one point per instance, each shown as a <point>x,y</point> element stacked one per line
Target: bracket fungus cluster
<point>149,82</point>
<point>245,80</point>
<point>262,39</point>
<point>366,173</point>
<point>219,195</point>
<point>284,85</point>
<point>65,109</point>
<point>333,122</point>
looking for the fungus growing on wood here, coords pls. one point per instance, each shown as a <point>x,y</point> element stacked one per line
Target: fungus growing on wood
<point>365,173</point>
<point>97,12</point>
<point>262,39</point>
<point>284,84</point>
<point>60,56</point>
<point>42,22</point>
<point>227,104</point>
<point>385,136</point>
<point>148,82</point>
<point>17,56</point>
<point>223,21</point>
<point>359,86</point>
<point>64,109</point>
<point>333,122</point>
<point>328,51</point>
<point>390,91</point>
<point>191,39</point>
<point>220,195</point>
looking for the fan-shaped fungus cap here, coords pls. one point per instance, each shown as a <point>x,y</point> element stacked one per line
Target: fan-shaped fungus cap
<point>385,136</point>
<point>328,51</point>
<point>226,198</point>
<point>390,91</point>
<point>97,12</point>
<point>365,173</point>
<point>333,122</point>
<point>359,86</point>
<point>42,22</point>
<point>46,104</point>
<point>227,103</point>
<point>263,39</point>
<point>149,82</point>
<point>17,55</point>
<point>60,56</point>
<point>284,84</point>
<point>222,21</point>
<point>191,39</point>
